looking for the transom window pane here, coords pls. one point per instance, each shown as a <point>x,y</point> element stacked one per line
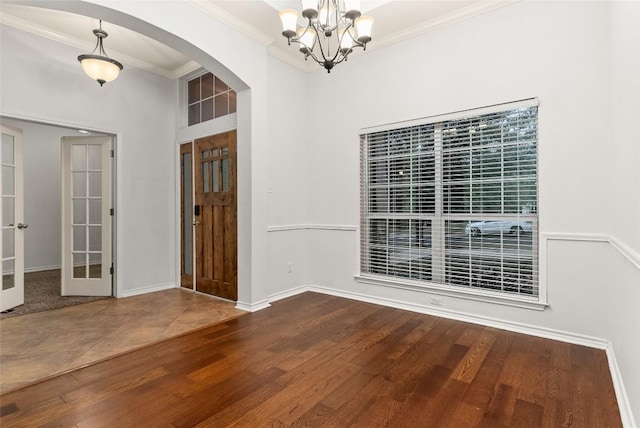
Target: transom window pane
<point>208,97</point>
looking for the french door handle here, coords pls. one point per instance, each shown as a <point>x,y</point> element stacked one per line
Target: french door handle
<point>22,226</point>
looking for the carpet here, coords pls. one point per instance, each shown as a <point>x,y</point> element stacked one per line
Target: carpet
<point>42,293</point>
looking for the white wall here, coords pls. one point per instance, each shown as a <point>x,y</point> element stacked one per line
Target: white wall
<point>288,180</point>
<point>625,111</point>
<point>559,52</point>
<point>42,80</point>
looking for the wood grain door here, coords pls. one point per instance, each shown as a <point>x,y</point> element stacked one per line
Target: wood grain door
<point>215,215</point>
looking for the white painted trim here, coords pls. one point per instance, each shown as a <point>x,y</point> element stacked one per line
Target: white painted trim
<point>148,289</point>
<point>624,406</point>
<point>452,291</point>
<point>231,20</point>
<point>40,269</point>
<point>290,227</point>
<point>288,293</point>
<point>253,307</point>
<point>435,24</point>
<point>622,248</point>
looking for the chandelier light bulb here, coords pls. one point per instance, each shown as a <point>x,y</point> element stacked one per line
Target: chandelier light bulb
<point>289,18</point>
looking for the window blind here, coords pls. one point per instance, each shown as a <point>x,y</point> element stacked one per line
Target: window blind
<point>454,202</point>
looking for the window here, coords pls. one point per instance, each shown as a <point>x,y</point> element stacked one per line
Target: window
<point>452,202</point>
<point>207,98</point>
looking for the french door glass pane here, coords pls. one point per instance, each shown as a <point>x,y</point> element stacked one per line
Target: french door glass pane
<point>79,238</point>
<point>8,243</point>
<point>95,157</point>
<point>8,183</point>
<point>7,149</point>
<point>95,266</point>
<point>80,265</point>
<point>95,211</point>
<point>95,238</point>
<point>79,184</point>
<point>95,184</point>
<point>79,157</point>
<point>79,211</point>
<point>8,212</point>
<point>8,281</point>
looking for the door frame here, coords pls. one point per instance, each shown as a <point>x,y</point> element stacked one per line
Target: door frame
<point>213,127</point>
<point>117,286</point>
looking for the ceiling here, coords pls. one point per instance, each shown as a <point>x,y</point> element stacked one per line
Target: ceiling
<point>395,20</point>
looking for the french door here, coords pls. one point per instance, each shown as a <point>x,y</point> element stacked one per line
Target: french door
<point>86,217</point>
<point>213,213</point>
<point>11,213</point>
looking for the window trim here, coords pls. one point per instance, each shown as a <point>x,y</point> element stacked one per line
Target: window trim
<point>538,302</point>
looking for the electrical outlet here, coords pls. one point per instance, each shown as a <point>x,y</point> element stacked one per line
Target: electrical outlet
<point>436,301</point>
<point>290,267</point>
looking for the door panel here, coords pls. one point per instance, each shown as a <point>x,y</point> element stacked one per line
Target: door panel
<point>215,195</point>
<point>11,219</point>
<point>86,218</point>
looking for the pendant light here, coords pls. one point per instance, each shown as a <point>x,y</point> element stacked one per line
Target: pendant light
<point>97,65</point>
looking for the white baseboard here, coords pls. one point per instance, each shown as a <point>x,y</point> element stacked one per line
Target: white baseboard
<point>148,289</point>
<point>41,268</point>
<point>288,293</point>
<point>621,393</point>
<point>252,307</point>
<point>563,336</point>
<point>547,333</point>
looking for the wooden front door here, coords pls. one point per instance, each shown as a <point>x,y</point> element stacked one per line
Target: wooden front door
<point>215,215</point>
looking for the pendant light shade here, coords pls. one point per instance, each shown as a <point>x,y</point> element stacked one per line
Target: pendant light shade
<point>97,65</point>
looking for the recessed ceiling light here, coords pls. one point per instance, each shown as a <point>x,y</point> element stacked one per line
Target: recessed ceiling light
<point>84,131</point>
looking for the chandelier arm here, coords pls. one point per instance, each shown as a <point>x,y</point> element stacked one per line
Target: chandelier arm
<point>320,45</point>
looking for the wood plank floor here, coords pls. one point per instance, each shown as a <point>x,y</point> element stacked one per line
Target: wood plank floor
<point>317,360</point>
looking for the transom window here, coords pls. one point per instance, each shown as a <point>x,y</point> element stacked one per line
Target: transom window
<point>207,98</point>
<point>453,202</point>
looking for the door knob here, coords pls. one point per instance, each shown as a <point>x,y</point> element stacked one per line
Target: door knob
<point>196,223</point>
<point>22,226</point>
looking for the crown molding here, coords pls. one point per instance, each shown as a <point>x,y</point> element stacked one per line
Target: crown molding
<point>231,20</point>
<point>442,21</point>
<point>189,67</point>
<point>30,27</point>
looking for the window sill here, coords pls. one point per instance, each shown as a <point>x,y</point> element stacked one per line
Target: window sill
<point>452,291</point>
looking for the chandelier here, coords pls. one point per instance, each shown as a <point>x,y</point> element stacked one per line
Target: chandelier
<point>97,65</point>
<point>326,19</point>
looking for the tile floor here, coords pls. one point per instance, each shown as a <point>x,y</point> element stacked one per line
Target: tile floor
<point>40,345</point>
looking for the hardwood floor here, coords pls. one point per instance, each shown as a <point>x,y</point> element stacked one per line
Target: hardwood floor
<point>317,360</point>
